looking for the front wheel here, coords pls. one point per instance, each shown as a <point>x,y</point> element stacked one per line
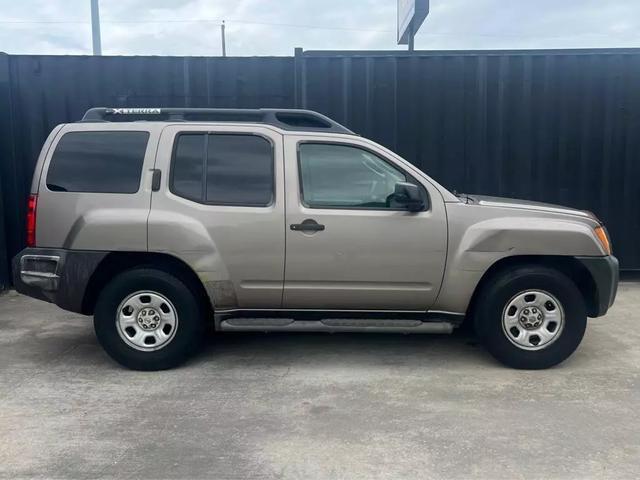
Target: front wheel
<point>148,319</point>
<point>531,317</point>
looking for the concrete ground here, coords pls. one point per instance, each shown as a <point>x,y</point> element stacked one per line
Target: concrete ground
<point>316,406</point>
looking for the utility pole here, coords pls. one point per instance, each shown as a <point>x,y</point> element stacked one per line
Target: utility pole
<point>95,28</point>
<point>411,35</point>
<point>224,48</point>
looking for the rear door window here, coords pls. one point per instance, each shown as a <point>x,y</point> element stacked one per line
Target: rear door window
<point>223,169</point>
<point>99,162</point>
<point>239,170</point>
<point>188,166</point>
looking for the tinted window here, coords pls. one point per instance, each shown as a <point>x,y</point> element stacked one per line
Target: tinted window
<point>343,176</point>
<point>223,169</point>
<point>188,166</point>
<point>239,170</point>
<point>101,162</point>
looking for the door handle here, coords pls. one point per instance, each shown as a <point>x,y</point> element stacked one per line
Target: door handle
<point>307,225</point>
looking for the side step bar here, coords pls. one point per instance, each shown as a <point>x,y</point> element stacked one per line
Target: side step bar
<point>334,325</point>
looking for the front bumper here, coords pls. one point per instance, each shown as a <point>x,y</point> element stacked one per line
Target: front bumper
<point>55,275</point>
<point>605,274</point>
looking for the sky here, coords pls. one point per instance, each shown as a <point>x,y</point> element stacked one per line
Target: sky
<point>269,27</point>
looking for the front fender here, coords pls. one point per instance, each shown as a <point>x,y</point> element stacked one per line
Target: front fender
<point>481,236</point>
<point>490,240</point>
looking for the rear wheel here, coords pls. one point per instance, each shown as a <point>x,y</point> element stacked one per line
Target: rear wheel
<point>531,317</point>
<point>148,319</point>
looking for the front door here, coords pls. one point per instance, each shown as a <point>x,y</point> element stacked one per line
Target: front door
<point>348,245</point>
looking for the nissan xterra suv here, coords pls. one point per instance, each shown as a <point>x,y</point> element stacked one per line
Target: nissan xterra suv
<point>157,221</point>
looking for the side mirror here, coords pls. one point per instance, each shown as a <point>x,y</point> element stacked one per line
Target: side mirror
<point>408,195</point>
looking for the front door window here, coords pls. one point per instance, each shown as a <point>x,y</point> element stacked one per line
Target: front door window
<point>341,176</point>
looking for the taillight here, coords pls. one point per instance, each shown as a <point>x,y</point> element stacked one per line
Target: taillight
<point>31,220</point>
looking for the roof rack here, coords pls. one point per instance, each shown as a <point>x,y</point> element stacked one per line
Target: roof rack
<point>287,119</point>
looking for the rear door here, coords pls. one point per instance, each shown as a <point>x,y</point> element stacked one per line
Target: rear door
<point>348,246</point>
<point>220,208</point>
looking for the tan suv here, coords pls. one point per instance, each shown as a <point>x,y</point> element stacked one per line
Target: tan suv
<point>156,221</point>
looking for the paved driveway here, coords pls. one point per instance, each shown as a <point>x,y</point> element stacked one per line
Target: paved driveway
<point>316,406</point>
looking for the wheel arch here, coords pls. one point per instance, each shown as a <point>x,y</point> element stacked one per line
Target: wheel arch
<point>117,262</point>
<point>568,265</point>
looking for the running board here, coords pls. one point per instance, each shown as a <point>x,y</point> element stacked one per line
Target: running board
<point>334,325</point>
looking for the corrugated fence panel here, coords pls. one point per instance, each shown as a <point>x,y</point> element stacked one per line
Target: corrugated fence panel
<point>555,126</point>
<point>7,163</point>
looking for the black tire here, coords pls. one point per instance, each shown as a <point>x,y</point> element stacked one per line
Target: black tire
<point>189,331</point>
<point>497,294</point>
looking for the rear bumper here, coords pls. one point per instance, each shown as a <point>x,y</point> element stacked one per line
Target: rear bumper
<point>55,275</point>
<point>605,274</point>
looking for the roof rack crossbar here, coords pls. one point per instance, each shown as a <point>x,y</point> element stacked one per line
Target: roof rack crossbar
<point>286,119</point>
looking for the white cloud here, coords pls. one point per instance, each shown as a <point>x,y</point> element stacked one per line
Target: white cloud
<point>266,27</point>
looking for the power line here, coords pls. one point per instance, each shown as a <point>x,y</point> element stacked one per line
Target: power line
<point>291,25</point>
<point>315,27</point>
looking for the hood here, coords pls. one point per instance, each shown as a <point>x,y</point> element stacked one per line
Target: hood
<point>488,201</point>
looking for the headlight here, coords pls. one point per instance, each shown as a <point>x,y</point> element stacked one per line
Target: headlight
<point>601,233</point>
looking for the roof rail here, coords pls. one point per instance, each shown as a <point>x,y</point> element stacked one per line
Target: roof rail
<point>287,119</point>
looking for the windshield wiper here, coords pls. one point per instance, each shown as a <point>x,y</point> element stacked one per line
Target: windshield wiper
<point>463,196</point>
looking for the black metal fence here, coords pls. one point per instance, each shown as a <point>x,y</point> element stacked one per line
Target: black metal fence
<point>557,126</point>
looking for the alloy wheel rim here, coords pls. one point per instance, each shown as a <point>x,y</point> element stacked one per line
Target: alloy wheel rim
<point>146,320</point>
<point>533,319</point>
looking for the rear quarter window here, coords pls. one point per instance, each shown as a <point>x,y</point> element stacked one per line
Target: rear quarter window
<point>99,162</point>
